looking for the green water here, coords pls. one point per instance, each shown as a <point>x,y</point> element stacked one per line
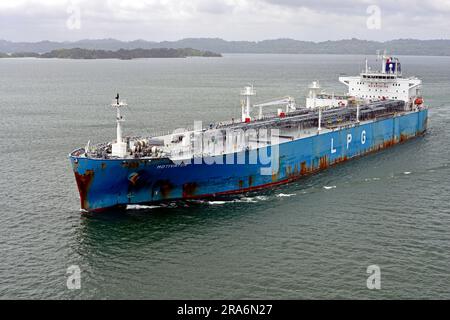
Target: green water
<point>311,239</point>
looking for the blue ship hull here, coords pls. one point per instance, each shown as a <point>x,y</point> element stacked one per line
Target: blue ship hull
<point>106,183</point>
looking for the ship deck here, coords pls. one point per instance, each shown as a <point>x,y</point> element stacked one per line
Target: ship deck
<point>231,137</point>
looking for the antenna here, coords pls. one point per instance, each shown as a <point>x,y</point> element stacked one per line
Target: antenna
<point>314,90</point>
<point>119,148</point>
<point>247,93</point>
<point>384,62</point>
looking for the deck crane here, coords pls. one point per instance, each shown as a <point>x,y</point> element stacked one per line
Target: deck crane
<point>288,101</point>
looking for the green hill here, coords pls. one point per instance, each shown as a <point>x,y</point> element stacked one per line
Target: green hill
<point>79,53</point>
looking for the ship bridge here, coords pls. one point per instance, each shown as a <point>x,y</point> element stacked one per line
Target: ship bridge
<point>387,83</point>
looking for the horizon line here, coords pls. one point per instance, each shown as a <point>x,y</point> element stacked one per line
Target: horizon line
<point>218,38</point>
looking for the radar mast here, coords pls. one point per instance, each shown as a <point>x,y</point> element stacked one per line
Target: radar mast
<point>119,148</point>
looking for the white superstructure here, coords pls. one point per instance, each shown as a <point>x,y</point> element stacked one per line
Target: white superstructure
<point>387,83</point>
<point>119,148</point>
<point>317,98</point>
<point>246,104</point>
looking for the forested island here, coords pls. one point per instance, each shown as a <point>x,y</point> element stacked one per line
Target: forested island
<point>122,54</point>
<point>438,47</point>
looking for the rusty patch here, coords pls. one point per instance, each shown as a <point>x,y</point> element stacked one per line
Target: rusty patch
<point>323,163</point>
<point>103,165</point>
<point>250,181</point>
<point>274,177</point>
<point>340,160</point>
<point>130,165</point>
<point>303,168</point>
<point>241,184</point>
<point>133,178</point>
<point>403,137</point>
<point>189,189</point>
<point>389,143</point>
<point>84,182</point>
<point>165,188</point>
<point>288,170</point>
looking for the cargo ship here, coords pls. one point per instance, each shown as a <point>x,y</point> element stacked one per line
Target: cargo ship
<point>259,150</point>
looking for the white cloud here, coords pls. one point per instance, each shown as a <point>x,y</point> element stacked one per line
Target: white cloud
<point>229,19</point>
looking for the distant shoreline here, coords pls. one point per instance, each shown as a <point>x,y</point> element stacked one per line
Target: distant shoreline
<point>5,57</point>
<point>122,54</point>
<point>438,47</point>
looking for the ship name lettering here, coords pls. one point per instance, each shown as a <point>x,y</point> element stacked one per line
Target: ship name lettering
<point>349,139</point>
<point>167,166</point>
<point>333,149</point>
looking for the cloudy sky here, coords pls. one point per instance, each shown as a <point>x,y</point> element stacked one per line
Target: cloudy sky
<point>316,20</point>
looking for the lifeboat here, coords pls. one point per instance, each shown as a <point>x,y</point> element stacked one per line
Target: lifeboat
<point>418,101</point>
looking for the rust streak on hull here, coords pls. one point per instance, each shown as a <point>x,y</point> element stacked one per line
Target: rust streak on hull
<point>84,182</point>
<point>189,189</point>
